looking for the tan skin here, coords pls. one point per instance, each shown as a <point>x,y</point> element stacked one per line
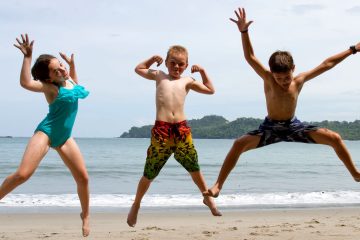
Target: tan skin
<point>171,91</point>
<point>39,143</point>
<point>281,93</point>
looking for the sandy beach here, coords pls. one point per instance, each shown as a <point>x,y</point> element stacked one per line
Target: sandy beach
<point>333,223</point>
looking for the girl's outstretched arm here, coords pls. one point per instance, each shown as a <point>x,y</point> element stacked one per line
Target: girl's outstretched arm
<point>26,80</point>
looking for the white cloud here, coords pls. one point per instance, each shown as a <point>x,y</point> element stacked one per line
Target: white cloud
<point>353,10</point>
<point>305,8</point>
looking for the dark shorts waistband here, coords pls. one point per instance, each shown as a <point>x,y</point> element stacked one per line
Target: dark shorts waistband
<point>288,121</point>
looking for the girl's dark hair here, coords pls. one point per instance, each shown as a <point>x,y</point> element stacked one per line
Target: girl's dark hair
<point>281,62</point>
<point>40,70</point>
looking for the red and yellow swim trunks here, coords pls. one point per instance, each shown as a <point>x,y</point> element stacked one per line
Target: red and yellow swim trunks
<point>166,139</point>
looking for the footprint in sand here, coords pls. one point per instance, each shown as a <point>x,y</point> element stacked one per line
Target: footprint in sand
<point>313,221</point>
<point>340,225</point>
<point>158,229</point>
<point>209,233</point>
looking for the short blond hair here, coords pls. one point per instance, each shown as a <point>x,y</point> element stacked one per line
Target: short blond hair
<point>176,49</point>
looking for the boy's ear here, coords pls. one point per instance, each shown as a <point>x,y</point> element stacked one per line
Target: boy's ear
<point>293,68</point>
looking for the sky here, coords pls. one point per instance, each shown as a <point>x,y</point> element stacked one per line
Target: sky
<point>110,37</point>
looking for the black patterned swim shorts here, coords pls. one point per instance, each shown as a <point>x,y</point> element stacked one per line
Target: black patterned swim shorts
<point>292,130</point>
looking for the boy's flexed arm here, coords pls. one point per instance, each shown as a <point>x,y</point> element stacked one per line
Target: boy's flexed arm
<point>143,68</point>
<point>206,86</point>
<point>329,63</point>
<point>243,26</point>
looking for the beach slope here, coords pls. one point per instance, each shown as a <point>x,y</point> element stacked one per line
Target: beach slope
<point>322,224</point>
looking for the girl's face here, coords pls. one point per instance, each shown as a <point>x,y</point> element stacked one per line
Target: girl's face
<point>57,71</point>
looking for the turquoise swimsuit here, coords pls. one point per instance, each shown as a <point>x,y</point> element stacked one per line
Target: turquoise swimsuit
<point>60,120</point>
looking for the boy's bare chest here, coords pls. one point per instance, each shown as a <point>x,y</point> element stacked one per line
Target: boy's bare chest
<point>171,87</point>
<point>277,94</point>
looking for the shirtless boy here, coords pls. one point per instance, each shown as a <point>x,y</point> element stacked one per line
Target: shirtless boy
<point>281,91</point>
<point>171,133</point>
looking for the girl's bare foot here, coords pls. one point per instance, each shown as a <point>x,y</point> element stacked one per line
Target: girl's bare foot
<point>85,225</point>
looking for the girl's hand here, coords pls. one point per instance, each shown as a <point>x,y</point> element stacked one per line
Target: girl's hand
<point>70,61</point>
<point>25,45</point>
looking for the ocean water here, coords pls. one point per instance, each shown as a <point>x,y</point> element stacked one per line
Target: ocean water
<point>284,175</point>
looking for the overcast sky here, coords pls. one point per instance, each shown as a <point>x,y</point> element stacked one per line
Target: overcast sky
<point>109,38</point>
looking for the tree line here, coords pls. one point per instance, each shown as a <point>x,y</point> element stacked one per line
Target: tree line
<point>217,127</point>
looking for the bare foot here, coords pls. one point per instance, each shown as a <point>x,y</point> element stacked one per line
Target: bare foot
<point>212,192</point>
<point>85,225</point>
<point>211,205</point>
<point>132,216</point>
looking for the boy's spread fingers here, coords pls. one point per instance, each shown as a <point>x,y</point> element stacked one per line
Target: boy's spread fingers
<point>238,16</point>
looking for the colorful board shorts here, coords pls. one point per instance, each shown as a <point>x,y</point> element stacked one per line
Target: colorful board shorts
<point>292,130</point>
<point>166,139</point>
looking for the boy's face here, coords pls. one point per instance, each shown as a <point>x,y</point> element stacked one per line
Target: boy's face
<point>283,79</point>
<point>57,71</point>
<point>176,64</point>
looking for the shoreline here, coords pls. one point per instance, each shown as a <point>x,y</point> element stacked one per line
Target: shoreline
<point>171,209</point>
<point>328,223</point>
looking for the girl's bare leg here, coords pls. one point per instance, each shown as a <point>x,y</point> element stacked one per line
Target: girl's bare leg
<point>73,159</point>
<point>35,151</point>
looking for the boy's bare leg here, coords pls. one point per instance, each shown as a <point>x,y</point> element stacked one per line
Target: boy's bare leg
<point>241,145</point>
<point>142,188</point>
<point>35,151</point>
<point>73,159</point>
<point>333,139</point>
<point>199,180</point>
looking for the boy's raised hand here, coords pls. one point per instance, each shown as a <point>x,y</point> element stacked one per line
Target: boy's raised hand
<point>158,59</point>
<point>25,45</point>
<point>196,68</point>
<point>69,60</point>
<point>357,47</point>
<point>241,22</point>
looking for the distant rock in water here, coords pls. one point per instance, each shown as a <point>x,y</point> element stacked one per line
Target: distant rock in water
<point>6,137</point>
